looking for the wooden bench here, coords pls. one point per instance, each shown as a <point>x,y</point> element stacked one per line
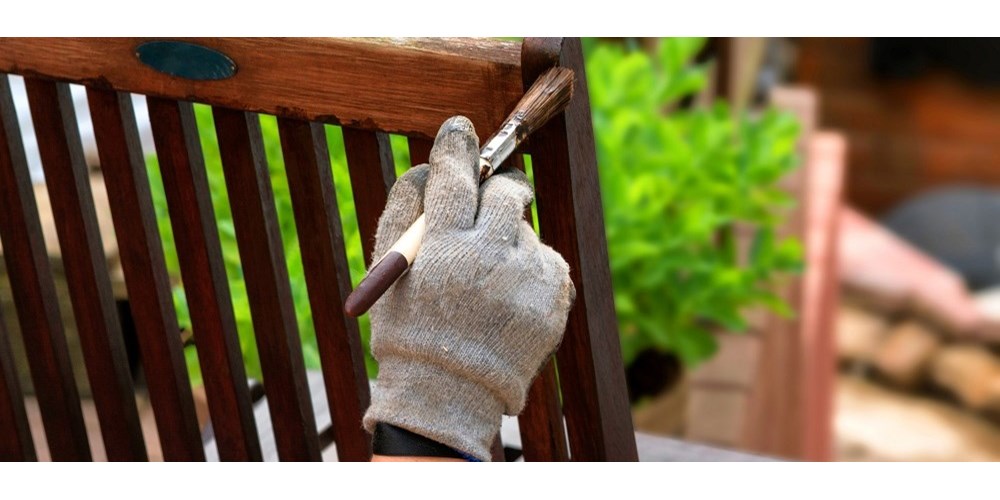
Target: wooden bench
<point>370,87</point>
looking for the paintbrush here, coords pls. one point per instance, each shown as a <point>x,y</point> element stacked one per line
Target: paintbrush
<point>548,97</point>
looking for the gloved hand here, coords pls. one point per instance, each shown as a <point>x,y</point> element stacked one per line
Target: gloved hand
<point>461,336</point>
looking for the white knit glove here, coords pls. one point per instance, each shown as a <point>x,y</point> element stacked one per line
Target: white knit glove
<point>461,336</point>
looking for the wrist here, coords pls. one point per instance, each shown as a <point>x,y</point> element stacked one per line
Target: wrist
<point>391,443</point>
<point>433,402</point>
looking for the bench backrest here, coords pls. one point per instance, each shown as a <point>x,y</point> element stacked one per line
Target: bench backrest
<point>370,87</point>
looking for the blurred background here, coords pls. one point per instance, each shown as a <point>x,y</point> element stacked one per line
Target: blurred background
<point>881,345</point>
<point>802,237</point>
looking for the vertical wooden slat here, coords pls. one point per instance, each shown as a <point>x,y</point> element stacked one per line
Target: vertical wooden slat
<point>90,291</point>
<point>18,216</point>
<point>185,184</point>
<point>571,219</point>
<point>372,169</point>
<point>324,258</point>
<point>69,192</point>
<point>15,435</point>
<point>543,434</point>
<point>420,150</point>
<point>145,271</point>
<point>496,450</point>
<point>259,240</point>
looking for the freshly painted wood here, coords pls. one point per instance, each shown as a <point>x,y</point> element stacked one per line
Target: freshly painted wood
<point>15,435</point>
<point>73,209</point>
<point>543,431</point>
<point>24,251</point>
<point>543,435</point>
<point>182,167</point>
<point>571,219</point>
<point>345,81</point>
<point>372,169</point>
<point>146,279</point>
<point>262,254</point>
<point>420,150</point>
<point>324,259</point>
<point>496,450</point>
<point>407,86</point>
<point>86,274</point>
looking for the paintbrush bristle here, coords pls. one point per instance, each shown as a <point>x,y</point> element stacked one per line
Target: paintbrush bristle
<point>547,97</point>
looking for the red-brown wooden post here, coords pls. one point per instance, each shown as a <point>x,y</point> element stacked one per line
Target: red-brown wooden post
<point>571,219</point>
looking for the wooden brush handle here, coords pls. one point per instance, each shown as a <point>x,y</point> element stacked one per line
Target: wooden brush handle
<point>387,270</point>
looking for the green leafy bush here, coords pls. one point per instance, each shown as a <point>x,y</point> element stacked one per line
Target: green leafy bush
<point>674,182</point>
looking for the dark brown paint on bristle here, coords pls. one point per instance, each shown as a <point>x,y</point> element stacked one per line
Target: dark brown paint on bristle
<point>547,97</point>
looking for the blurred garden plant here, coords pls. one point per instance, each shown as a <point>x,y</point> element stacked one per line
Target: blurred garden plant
<point>674,184</point>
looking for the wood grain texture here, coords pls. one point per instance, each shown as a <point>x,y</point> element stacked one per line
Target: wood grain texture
<point>206,288</point>
<point>15,435</point>
<point>420,150</point>
<point>328,279</point>
<point>146,279</point>
<point>372,170</point>
<point>543,435</point>
<point>24,251</point>
<point>73,210</point>
<point>543,432</point>
<point>262,254</point>
<point>90,291</point>
<point>407,86</point>
<point>570,217</point>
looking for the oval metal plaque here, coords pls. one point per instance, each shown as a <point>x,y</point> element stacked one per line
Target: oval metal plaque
<point>186,60</point>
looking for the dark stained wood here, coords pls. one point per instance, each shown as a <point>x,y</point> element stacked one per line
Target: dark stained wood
<point>199,253</point>
<point>87,277</point>
<point>15,435</point>
<point>571,219</point>
<point>266,275</point>
<point>496,450</point>
<point>146,279</point>
<point>330,81</point>
<point>406,86</point>
<point>324,259</point>
<point>372,169</point>
<point>543,435</point>
<point>420,150</point>
<point>69,193</point>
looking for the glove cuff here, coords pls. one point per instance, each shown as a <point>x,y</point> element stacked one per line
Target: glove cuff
<point>429,400</point>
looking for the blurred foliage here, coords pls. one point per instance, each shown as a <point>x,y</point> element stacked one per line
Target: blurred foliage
<point>674,183</point>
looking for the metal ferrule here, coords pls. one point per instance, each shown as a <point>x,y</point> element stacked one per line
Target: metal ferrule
<point>499,147</point>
